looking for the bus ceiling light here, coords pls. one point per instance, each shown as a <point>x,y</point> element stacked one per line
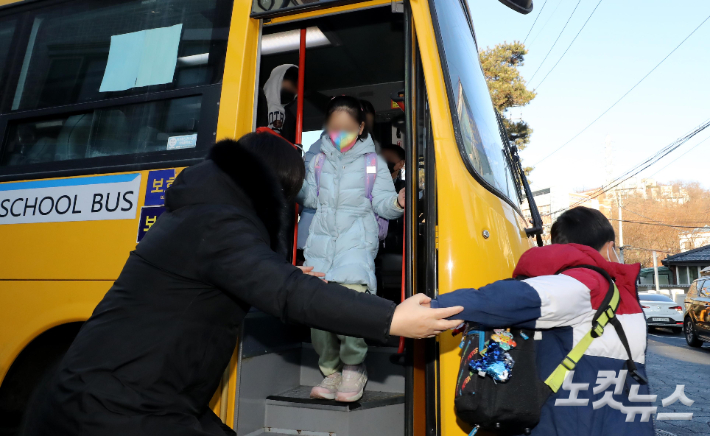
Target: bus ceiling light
<point>291,41</point>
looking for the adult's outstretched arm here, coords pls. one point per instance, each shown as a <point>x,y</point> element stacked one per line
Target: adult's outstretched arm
<point>236,259</point>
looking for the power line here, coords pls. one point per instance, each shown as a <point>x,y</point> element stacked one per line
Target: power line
<point>647,163</point>
<point>642,216</point>
<point>629,247</point>
<point>669,163</point>
<point>658,224</point>
<point>663,152</point>
<point>558,38</point>
<point>533,24</point>
<point>654,220</point>
<point>570,44</point>
<point>625,94</point>
<point>546,22</point>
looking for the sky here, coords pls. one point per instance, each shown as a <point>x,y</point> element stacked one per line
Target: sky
<point>620,44</point>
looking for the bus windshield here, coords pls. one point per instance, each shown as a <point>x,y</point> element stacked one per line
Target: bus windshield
<point>475,121</point>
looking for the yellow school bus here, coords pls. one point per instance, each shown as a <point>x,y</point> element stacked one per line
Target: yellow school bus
<point>102,104</point>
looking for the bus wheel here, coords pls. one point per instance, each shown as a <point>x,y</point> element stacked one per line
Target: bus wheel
<point>29,373</point>
<point>36,402</point>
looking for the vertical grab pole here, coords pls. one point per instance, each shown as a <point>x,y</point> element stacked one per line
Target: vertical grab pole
<point>400,349</point>
<point>299,121</point>
<point>301,77</point>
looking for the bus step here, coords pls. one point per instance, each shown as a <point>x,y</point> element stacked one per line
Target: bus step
<point>293,409</point>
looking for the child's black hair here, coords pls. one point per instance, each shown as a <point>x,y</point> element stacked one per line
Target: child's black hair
<point>395,148</point>
<point>292,75</point>
<point>367,107</point>
<point>352,106</point>
<point>582,225</point>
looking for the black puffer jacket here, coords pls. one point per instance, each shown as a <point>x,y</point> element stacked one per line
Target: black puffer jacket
<point>150,357</point>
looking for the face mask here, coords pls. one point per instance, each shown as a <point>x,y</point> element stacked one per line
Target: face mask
<point>343,140</point>
<point>287,97</point>
<point>615,255</point>
<point>390,166</point>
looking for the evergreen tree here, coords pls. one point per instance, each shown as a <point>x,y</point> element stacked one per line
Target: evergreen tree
<point>507,87</point>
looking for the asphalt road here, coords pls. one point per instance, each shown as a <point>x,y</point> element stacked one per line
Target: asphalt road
<point>670,362</point>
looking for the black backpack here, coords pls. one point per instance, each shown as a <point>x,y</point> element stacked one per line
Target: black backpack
<point>512,406</point>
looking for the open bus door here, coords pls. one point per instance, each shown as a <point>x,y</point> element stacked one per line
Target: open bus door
<point>366,55</point>
<point>390,54</point>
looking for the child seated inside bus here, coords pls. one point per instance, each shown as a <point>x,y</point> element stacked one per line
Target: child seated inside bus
<point>347,184</point>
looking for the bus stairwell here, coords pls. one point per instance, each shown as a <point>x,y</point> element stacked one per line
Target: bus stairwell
<point>360,54</point>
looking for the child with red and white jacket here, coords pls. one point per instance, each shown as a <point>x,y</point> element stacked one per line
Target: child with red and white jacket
<point>560,307</point>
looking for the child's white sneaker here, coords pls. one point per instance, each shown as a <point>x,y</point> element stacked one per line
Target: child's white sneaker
<point>328,387</point>
<point>353,384</point>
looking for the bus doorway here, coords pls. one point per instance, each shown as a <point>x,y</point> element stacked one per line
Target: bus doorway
<point>360,54</point>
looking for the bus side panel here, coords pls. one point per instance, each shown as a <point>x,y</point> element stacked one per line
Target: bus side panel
<point>465,257</point>
<point>79,250</point>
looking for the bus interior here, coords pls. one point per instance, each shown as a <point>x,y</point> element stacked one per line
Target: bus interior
<point>360,54</point>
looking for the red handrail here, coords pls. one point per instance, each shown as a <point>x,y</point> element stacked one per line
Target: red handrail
<point>299,121</point>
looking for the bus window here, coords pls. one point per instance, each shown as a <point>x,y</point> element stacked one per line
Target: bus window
<point>474,118</point>
<point>7,31</point>
<point>146,127</point>
<point>108,85</point>
<point>68,46</point>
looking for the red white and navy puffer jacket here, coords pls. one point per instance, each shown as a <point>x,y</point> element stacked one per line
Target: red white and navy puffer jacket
<point>560,307</point>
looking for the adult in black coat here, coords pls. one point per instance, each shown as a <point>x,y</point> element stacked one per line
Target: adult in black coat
<point>150,357</point>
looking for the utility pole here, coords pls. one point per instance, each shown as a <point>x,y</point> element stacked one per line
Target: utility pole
<point>621,228</point>
<point>655,271</point>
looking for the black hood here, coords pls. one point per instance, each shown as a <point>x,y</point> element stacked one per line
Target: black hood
<point>235,176</point>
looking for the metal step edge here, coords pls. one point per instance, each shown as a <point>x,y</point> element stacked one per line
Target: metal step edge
<point>271,431</point>
<point>308,403</point>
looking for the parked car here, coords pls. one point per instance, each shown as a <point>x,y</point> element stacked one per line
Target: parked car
<point>661,311</point>
<point>697,313</point>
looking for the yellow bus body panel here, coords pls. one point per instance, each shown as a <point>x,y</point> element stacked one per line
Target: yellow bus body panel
<point>29,308</point>
<point>236,109</point>
<point>55,273</point>
<point>466,259</point>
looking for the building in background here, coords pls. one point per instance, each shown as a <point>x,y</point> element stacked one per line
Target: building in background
<point>649,188</point>
<point>553,201</point>
<point>695,238</point>
<point>686,266</point>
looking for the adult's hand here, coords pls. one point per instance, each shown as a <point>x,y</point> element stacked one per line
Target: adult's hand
<point>309,270</point>
<point>401,198</point>
<point>413,318</point>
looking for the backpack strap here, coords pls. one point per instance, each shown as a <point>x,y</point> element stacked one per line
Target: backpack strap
<point>606,314</point>
<point>370,174</point>
<point>320,159</point>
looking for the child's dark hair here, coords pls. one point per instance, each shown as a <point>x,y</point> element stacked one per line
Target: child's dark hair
<point>352,106</point>
<point>292,75</point>
<point>395,148</point>
<point>367,107</point>
<point>583,225</point>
